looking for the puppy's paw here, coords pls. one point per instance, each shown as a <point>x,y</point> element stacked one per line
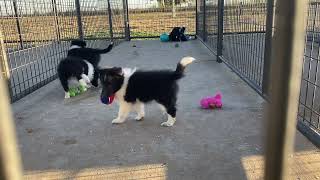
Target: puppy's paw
<point>67,95</point>
<point>110,45</point>
<point>139,118</point>
<point>167,124</point>
<point>117,121</point>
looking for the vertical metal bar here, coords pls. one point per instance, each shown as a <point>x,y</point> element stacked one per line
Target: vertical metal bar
<point>173,8</point>
<point>197,20</point>
<point>309,62</point>
<point>17,22</point>
<point>267,47</point>
<point>5,71</point>
<point>204,38</point>
<point>10,161</point>
<point>287,52</point>
<point>79,21</point>
<point>4,65</point>
<point>110,20</point>
<point>126,20</point>
<point>55,13</point>
<point>220,30</point>
<point>316,71</point>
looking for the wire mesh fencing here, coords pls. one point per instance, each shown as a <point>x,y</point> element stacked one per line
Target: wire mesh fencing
<point>150,18</point>
<point>243,25</point>
<point>200,18</point>
<point>243,39</point>
<point>309,108</point>
<point>246,48</point>
<point>207,23</point>
<point>37,33</point>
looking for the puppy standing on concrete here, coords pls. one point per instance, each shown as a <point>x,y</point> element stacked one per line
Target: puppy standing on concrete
<point>80,66</point>
<point>134,88</point>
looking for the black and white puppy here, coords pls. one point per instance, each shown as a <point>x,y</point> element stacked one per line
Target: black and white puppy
<point>80,65</point>
<point>134,88</point>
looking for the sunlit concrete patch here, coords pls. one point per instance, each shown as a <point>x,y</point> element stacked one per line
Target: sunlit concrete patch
<point>305,166</point>
<point>150,171</point>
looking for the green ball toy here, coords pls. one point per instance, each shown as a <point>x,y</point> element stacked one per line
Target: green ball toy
<point>82,89</point>
<point>77,90</point>
<point>164,37</point>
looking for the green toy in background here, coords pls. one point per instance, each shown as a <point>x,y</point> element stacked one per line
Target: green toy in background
<point>164,37</point>
<point>77,90</point>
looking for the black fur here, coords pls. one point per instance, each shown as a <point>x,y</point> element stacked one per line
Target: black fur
<point>111,80</point>
<point>145,86</point>
<point>160,86</point>
<point>74,64</point>
<point>79,42</point>
<point>71,67</point>
<point>177,34</point>
<point>89,54</point>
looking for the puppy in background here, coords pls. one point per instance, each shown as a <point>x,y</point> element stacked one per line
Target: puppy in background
<point>135,88</point>
<point>80,66</point>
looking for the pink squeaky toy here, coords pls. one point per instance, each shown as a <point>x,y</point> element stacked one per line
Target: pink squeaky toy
<point>211,102</point>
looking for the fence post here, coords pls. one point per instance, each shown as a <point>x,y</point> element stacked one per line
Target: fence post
<point>197,32</point>
<point>16,15</point>
<point>110,20</point>
<point>204,35</point>
<point>10,161</point>
<point>55,12</point>
<point>126,20</point>
<point>220,30</point>
<point>4,66</point>
<point>79,21</point>
<point>286,70</point>
<point>267,47</point>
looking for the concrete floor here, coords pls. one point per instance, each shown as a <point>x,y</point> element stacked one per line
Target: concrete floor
<point>75,138</point>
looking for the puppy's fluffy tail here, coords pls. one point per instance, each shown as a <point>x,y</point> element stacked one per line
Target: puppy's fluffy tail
<point>179,73</point>
<point>106,50</point>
